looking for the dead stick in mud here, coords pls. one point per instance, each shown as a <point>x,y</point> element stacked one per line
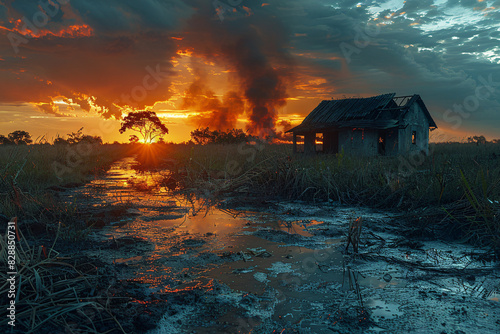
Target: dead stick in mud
<point>413,265</point>
<point>355,227</point>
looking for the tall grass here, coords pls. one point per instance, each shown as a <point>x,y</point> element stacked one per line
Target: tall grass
<point>477,216</point>
<point>404,182</point>
<point>27,171</point>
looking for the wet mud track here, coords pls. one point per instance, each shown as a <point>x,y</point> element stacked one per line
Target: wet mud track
<point>282,269</point>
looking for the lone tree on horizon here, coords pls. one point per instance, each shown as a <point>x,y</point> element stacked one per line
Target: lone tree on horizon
<point>146,123</point>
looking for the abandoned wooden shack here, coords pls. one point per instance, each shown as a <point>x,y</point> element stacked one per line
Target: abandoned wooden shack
<point>378,125</point>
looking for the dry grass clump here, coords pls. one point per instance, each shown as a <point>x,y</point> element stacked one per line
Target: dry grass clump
<point>473,218</point>
<point>478,214</point>
<point>477,223</point>
<point>52,294</point>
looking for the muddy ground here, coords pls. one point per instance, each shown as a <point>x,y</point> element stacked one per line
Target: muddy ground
<point>276,267</point>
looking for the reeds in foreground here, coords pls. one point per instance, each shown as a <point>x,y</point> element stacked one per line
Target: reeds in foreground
<point>52,294</point>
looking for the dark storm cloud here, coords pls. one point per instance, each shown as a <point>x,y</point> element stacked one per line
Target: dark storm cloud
<point>131,15</point>
<point>23,7</point>
<point>3,13</point>
<point>443,65</point>
<point>109,53</point>
<point>466,3</point>
<point>439,51</point>
<point>415,6</point>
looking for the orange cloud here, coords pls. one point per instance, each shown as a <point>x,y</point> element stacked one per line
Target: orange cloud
<point>125,71</point>
<point>68,32</point>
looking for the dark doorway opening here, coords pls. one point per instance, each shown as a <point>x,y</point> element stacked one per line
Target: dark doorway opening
<point>331,142</point>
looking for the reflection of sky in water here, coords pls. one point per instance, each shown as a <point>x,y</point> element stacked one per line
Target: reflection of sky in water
<point>122,184</point>
<point>183,232</point>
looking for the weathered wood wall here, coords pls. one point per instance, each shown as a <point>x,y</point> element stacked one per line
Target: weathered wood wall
<point>414,120</point>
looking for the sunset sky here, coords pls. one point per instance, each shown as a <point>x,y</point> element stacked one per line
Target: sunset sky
<point>242,63</point>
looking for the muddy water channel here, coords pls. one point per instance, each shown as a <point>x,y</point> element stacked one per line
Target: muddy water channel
<point>281,267</point>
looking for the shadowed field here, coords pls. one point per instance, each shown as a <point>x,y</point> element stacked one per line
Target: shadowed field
<point>452,194</point>
<point>456,188</point>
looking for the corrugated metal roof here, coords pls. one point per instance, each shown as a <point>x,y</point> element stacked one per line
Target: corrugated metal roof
<point>341,110</point>
<point>370,124</point>
<point>377,112</point>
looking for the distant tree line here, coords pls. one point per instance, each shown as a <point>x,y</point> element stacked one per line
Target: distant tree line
<point>481,140</point>
<point>206,136</point>
<point>18,137</point>
<point>78,137</point>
